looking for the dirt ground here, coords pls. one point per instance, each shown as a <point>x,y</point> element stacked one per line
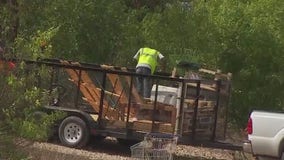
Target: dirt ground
<point>109,149</point>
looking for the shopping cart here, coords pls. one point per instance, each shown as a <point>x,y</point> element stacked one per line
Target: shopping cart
<point>155,146</point>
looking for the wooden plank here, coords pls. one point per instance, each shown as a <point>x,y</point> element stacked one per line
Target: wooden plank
<point>173,117</point>
<point>85,91</point>
<point>90,89</point>
<point>146,125</point>
<point>162,107</point>
<point>189,131</point>
<point>87,80</point>
<point>159,106</point>
<point>149,104</point>
<point>201,103</point>
<point>91,94</point>
<point>74,74</point>
<point>96,92</point>
<point>218,74</point>
<point>107,67</point>
<point>108,113</point>
<point>117,86</point>
<point>174,72</point>
<point>134,91</point>
<point>200,110</point>
<point>115,124</point>
<point>122,98</point>
<point>141,125</point>
<point>207,71</point>
<point>90,86</point>
<point>202,86</point>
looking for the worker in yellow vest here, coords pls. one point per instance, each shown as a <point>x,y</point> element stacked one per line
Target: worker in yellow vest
<point>147,62</point>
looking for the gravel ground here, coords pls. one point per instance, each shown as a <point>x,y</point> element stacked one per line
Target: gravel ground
<point>109,149</point>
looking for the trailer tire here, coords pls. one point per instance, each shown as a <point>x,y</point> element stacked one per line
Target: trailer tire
<point>73,132</point>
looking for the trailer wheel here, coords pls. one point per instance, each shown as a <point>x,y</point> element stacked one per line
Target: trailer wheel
<point>73,132</point>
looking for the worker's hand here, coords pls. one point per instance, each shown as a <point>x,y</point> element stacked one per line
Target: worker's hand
<point>162,66</point>
<point>159,68</point>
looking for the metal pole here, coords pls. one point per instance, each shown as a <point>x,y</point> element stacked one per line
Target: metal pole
<point>194,118</point>
<point>102,100</point>
<point>155,106</point>
<point>216,109</point>
<point>78,89</point>
<point>180,113</point>
<point>129,99</point>
<point>227,107</point>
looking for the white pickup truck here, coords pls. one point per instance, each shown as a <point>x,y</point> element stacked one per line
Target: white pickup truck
<point>265,135</point>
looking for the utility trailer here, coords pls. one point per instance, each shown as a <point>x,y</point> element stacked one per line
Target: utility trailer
<point>102,100</point>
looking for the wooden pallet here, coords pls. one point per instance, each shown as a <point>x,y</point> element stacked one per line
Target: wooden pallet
<point>122,98</point>
<point>201,103</point>
<point>146,125</point>
<point>203,86</point>
<point>140,125</point>
<point>138,102</point>
<point>90,92</point>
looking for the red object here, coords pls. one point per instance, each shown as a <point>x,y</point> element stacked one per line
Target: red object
<point>249,126</point>
<point>11,65</point>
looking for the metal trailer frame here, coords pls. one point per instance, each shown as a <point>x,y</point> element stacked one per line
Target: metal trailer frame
<point>97,127</point>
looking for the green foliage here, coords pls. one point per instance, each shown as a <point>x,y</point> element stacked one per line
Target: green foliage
<point>22,100</point>
<point>89,30</point>
<point>20,97</point>
<point>37,45</point>
<point>37,129</point>
<point>255,56</point>
<point>242,37</point>
<point>8,150</point>
<point>245,38</point>
<point>7,19</point>
<point>19,102</point>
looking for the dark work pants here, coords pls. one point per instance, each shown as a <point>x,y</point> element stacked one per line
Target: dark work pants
<point>144,84</point>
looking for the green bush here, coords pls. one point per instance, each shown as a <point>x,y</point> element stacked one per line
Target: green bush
<point>8,150</point>
<point>22,99</point>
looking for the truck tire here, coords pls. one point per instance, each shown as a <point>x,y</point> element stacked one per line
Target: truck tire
<point>73,132</point>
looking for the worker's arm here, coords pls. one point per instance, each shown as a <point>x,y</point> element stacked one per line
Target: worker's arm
<point>162,63</point>
<point>136,56</point>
